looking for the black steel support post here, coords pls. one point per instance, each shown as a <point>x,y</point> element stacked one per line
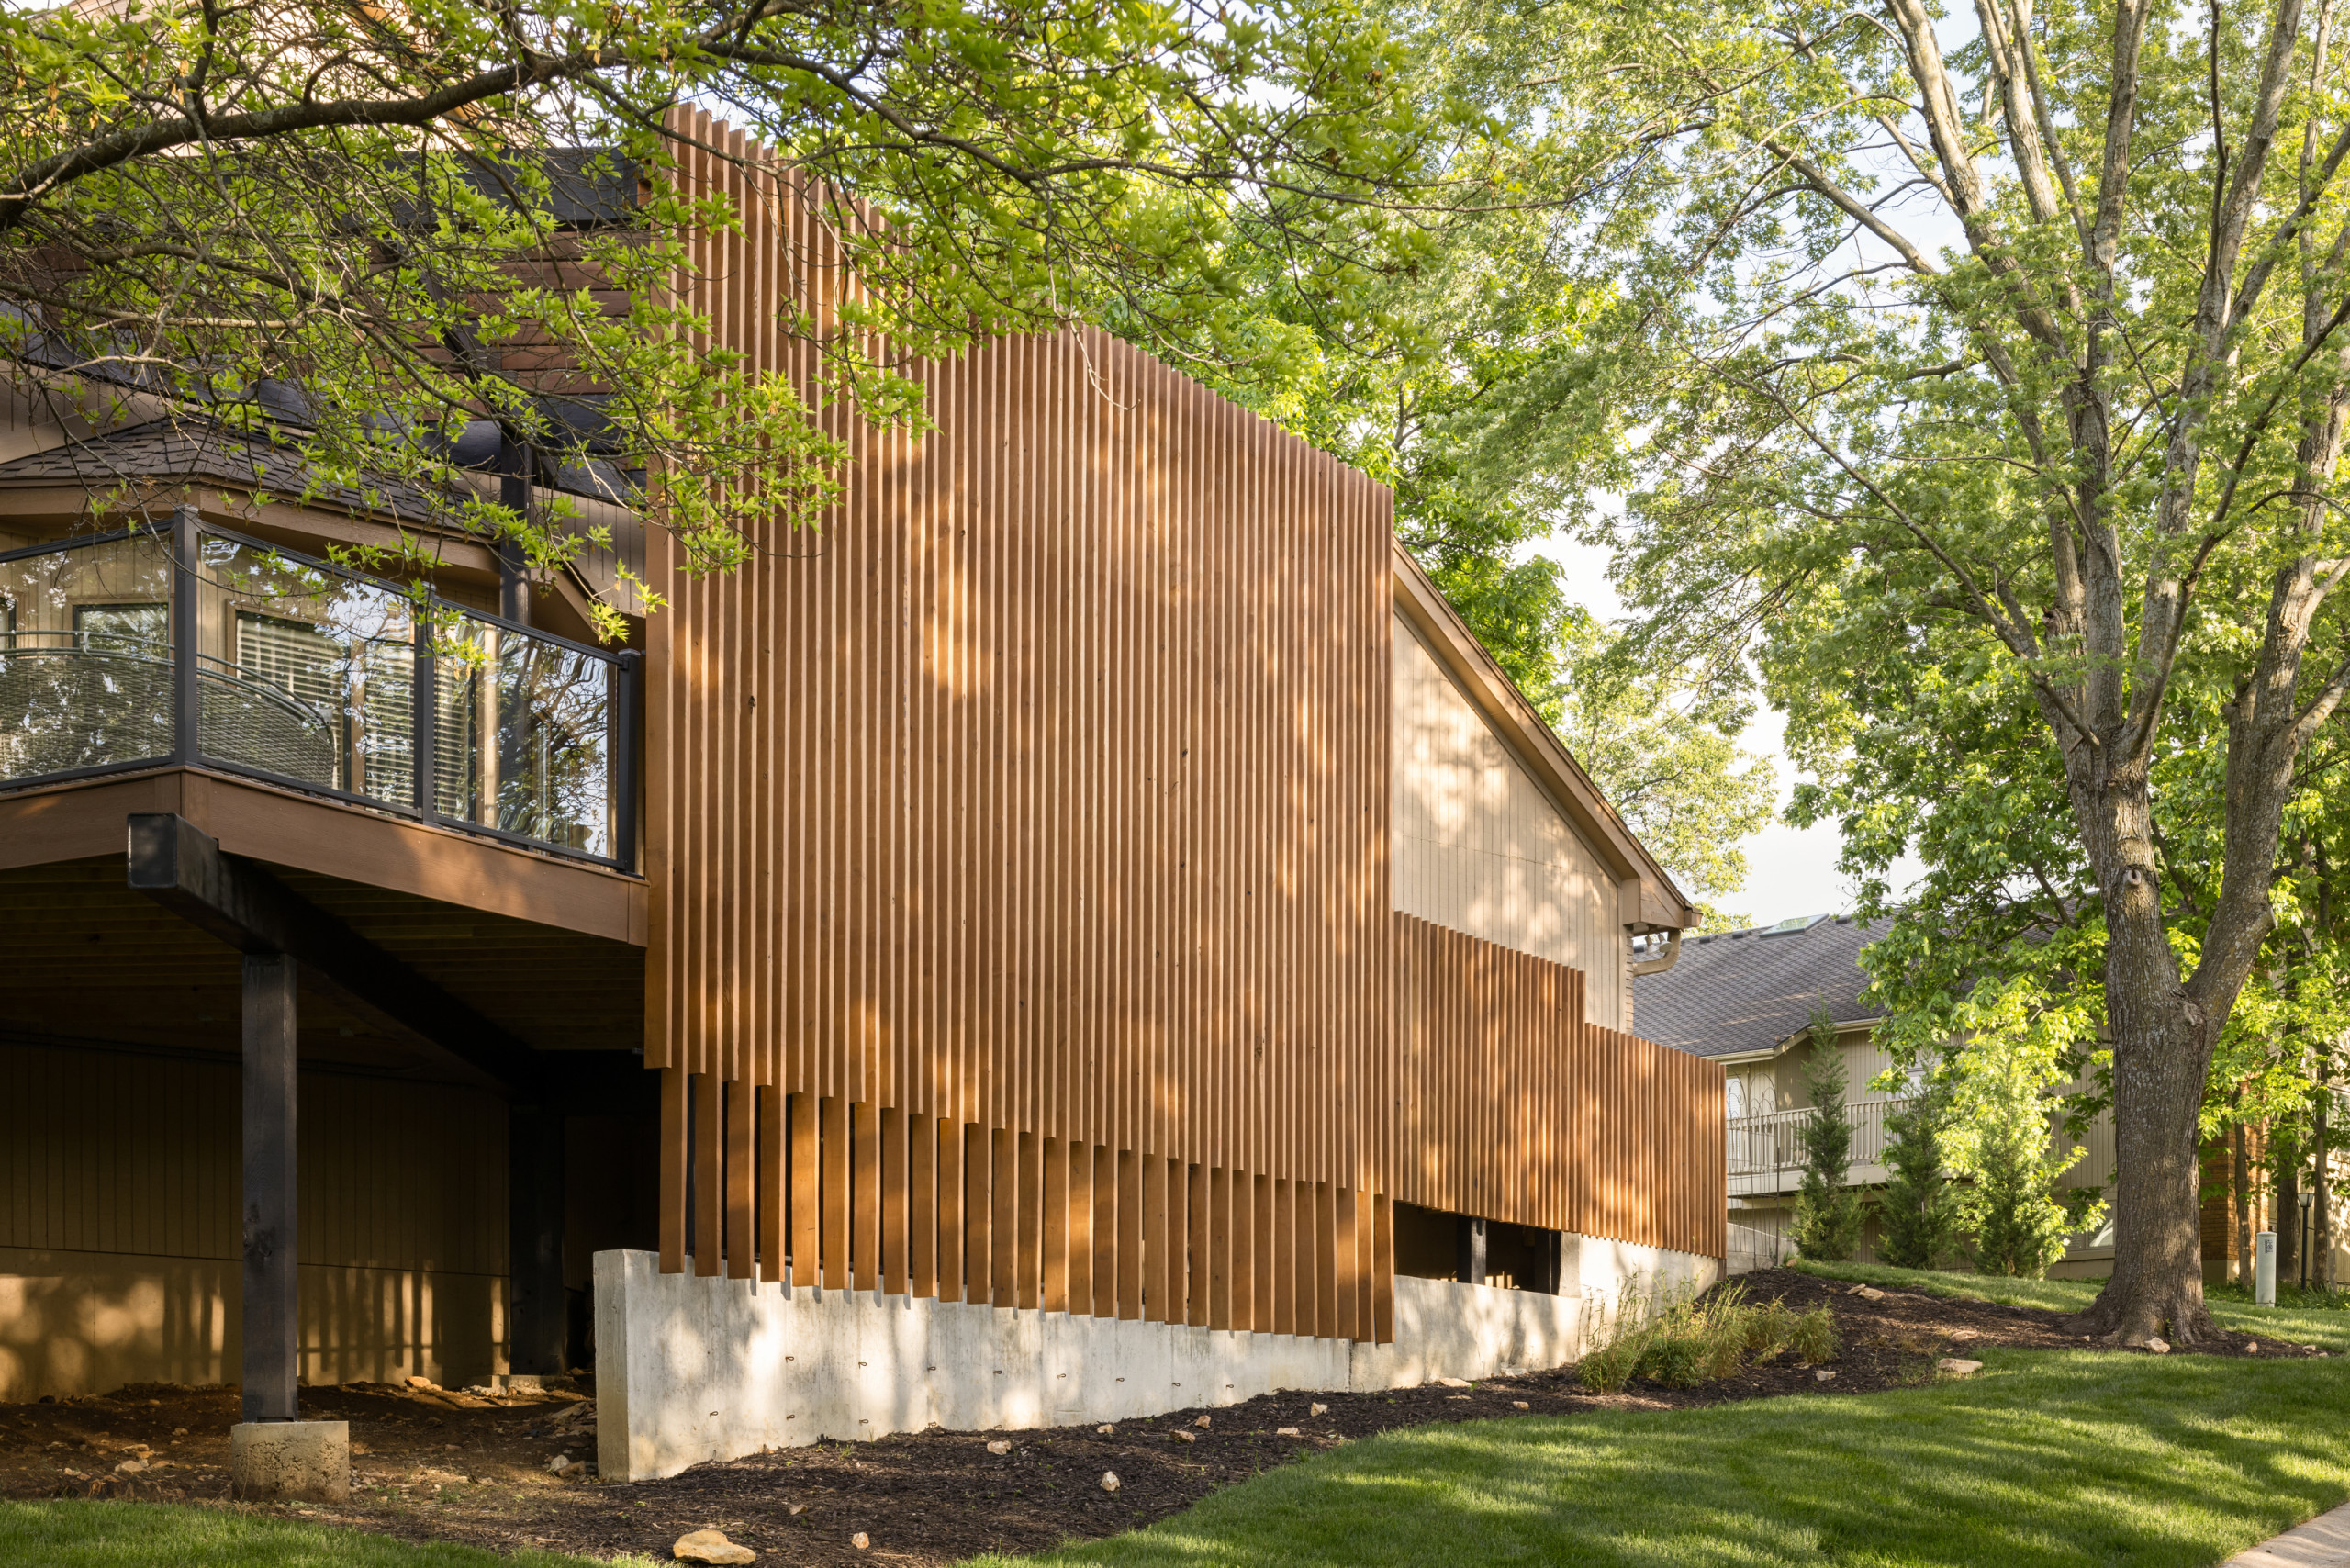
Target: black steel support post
<point>187,701</point>
<point>627,744</point>
<point>269,1287</point>
<point>1472,1244</point>
<point>536,1310</point>
<point>514,495</point>
<point>426,713</point>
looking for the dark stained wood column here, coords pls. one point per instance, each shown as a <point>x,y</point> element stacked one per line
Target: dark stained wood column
<point>536,1308</point>
<point>270,1293</point>
<point>1471,1246</point>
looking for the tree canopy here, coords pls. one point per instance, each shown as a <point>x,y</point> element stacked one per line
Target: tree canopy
<point>420,214</point>
<point>1981,378</point>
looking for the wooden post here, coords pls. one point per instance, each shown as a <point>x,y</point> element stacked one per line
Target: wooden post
<point>978,1209</point>
<point>1468,1249</point>
<point>1219,1247</point>
<point>832,1160</point>
<point>741,1260</point>
<point>1004,1229</point>
<point>674,1174</point>
<point>774,1151</point>
<point>1155,1271</point>
<point>1055,1297</point>
<point>1107,1288</point>
<point>708,1141</point>
<point>1345,1270</point>
<point>806,1189</point>
<point>1383,1270</point>
<point>1319,1232</point>
<point>1029,1212</point>
<point>922,1206</point>
<point>1080,1228</point>
<point>893,1201</point>
<point>950,1209</point>
<point>1198,1269</point>
<point>270,1295</point>
<point>537,1321</point>
<point>1263,1315</point>
<point>865,1200</point>
<point>1129,1235</point>
<point>1285,1292</point>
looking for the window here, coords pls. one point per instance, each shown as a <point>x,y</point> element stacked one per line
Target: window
<point>292,656</point>
<point>1734,1096</point>
<point>123,628</point>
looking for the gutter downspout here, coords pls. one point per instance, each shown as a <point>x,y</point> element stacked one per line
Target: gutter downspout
<point>1658,966</point>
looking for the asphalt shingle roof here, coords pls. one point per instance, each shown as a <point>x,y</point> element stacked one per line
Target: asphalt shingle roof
<point>201,449</point>
<point>1744,991</point>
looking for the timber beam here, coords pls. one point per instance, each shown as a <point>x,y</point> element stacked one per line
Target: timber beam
<point>183,867</point>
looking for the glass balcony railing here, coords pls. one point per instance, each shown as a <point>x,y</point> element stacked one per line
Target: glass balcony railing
<point>185,644</point>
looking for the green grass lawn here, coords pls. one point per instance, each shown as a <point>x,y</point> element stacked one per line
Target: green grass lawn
<point>2311,1320</point>
<point>2044,1460</point>
<point>144,1535</point>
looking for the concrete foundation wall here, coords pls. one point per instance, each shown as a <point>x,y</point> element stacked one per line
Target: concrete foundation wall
<point>690,1369</point>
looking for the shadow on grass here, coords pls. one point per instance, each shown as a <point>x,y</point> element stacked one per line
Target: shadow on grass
<point>2043,1461</point>
<point>2312,1319</point>
<point>149,1535</point>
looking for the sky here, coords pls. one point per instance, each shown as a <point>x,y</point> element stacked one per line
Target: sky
<point>1790,870</point>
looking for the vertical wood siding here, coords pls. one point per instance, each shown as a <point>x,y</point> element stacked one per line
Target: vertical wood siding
<point>1480,848</point>
<point>1025,834</point>
<point>119,1236</point>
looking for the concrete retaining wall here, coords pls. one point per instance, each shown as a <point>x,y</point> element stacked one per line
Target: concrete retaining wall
<point>690,1369</point>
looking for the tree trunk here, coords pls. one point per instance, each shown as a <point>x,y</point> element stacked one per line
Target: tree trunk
<point>2157,1283</point>
<point>2162,1058</point>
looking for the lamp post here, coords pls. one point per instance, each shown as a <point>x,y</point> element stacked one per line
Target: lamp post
<point>2307,1197</point>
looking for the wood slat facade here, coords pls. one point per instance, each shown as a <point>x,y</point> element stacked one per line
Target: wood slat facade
<point>1018,845</point>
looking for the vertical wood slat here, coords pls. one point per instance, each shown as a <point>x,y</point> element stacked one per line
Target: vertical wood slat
<point>1061,761</point>
<point>774,1151</point>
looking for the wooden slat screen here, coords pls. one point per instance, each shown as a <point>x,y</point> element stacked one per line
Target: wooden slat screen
<point>1515,1108</point>
<point>1018,844</point>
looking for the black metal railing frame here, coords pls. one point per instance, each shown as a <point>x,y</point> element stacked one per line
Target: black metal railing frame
<point>624,717</point>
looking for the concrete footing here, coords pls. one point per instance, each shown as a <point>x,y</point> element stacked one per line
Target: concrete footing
<point>690,1368</point>
<point>293,1461</point>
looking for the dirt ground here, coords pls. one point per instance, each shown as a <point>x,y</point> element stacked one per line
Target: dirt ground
<point>440,1465</point>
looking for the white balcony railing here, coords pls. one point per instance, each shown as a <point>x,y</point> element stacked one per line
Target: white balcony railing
<point>1770,1143</point>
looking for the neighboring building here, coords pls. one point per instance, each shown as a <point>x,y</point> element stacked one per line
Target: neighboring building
<point>1746,999</point>
<point>1097,883</point>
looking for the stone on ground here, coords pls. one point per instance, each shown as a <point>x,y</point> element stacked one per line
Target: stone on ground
<point>306,1462</point>
<point>1958,1366</point>
<point>1108,1481</point>
<point>711,1546</point>
<point>1453,1383</point>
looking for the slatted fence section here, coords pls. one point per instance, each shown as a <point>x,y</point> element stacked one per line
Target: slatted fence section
<point>1018,842</point>
<point>1018,846</point>
<point>1514,1108</point>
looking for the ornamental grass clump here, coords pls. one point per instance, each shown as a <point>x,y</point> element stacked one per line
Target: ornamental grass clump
<point>1814,1340</point>
<point>1679,1339</point>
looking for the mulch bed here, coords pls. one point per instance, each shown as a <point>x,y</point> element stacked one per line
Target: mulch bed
<point>432,1464</point>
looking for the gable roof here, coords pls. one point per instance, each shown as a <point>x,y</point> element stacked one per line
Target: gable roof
<point>1735,992</point>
